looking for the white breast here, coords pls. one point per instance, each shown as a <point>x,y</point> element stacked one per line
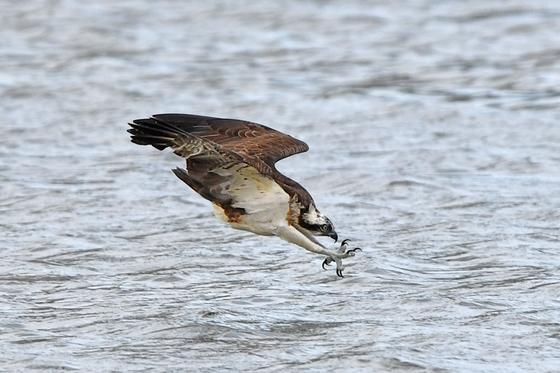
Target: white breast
<point>266,204</point>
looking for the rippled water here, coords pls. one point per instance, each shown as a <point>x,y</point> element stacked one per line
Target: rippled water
<point>435,145</point>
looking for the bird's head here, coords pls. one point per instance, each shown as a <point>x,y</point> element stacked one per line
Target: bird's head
<point>317,224</point>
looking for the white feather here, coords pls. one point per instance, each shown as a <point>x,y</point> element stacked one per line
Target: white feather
<point>314,217</point>
<point>265,203</point>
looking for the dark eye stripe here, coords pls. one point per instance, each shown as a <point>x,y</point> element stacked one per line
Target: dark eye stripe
<point>311,227</point>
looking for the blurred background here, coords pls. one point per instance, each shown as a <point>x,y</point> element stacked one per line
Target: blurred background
<point>434,136</point>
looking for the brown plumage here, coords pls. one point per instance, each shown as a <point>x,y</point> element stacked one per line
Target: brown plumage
<point>232,164</point>
<point>209,142</point>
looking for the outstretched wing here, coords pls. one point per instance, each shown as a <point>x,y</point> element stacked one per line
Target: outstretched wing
<point>202,154</point>
<point>217,173</point>
<point>212,144</point>
<point>162,135</point>
<point>250,140</point>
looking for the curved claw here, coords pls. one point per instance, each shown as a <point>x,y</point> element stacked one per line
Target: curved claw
<point>344,242</point>
<point>339,272</point>
<point>326,262</point>
<point>354,250</point>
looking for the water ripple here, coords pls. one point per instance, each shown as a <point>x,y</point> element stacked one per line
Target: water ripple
<point>433,130</point>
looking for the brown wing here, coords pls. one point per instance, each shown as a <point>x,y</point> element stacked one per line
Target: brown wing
<point>210,143</point>
<point>184,144</point>
<point>248,139</point>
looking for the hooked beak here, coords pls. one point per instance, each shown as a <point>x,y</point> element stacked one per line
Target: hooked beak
<point>334,236</point>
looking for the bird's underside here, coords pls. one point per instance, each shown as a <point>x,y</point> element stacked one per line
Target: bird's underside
<point>232,164</point>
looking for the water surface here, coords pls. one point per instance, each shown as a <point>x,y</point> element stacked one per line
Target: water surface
<point>435,145</point>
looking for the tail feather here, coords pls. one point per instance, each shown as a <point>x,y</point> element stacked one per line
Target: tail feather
<point>160,134</point>
<point>153,132</point>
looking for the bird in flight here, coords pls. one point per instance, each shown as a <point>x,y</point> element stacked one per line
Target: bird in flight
<point>231,163</point>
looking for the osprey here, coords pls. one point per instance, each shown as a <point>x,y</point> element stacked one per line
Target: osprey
<point>231,162</point>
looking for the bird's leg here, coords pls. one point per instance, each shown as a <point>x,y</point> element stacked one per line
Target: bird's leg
<point>343,251</point>
<point>291,234</point>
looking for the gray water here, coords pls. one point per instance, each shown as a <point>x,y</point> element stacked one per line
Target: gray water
<point>435,145</point>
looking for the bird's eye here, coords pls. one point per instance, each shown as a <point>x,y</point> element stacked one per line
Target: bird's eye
<point>325,227</point>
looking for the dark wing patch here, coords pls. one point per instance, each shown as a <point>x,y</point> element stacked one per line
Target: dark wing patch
<point>248,139</point>
<point>162,135</point>
<point>202,154</point>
